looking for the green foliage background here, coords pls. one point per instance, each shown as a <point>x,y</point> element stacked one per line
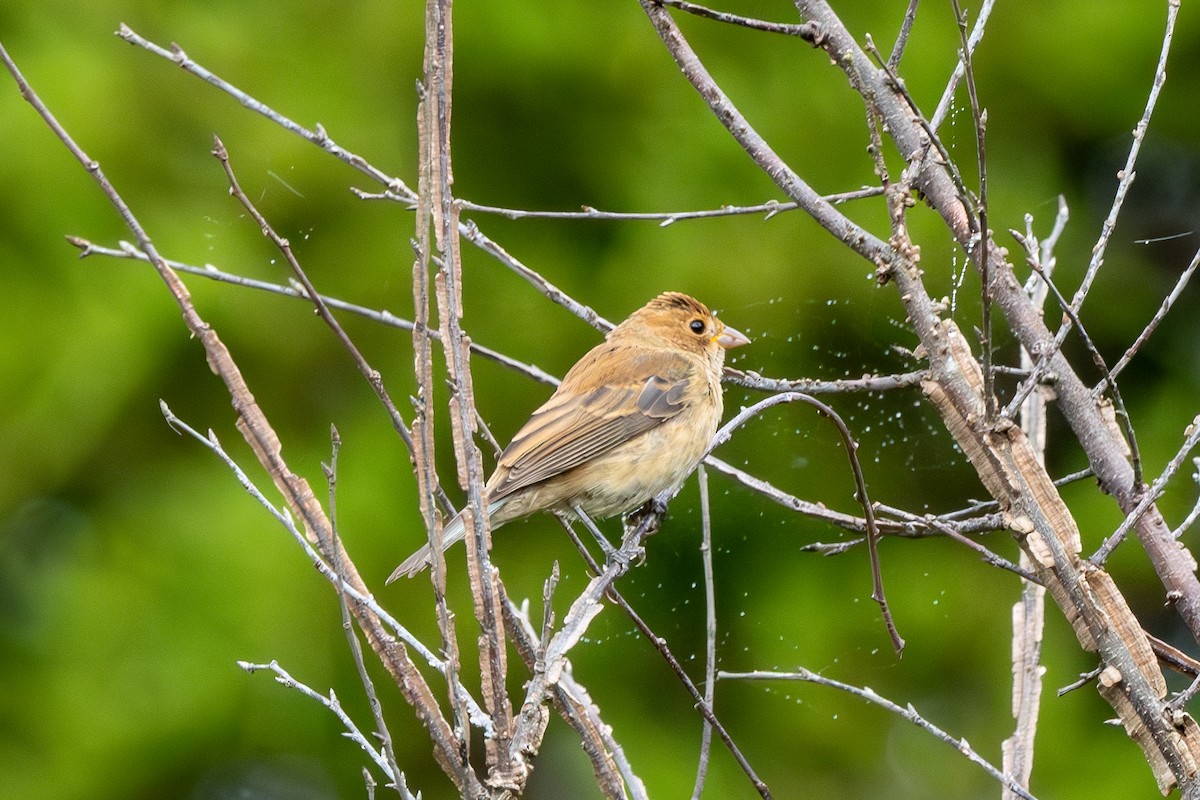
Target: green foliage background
<point>134,571</point>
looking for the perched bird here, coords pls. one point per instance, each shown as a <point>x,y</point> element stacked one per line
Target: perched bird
<point>631,419</point>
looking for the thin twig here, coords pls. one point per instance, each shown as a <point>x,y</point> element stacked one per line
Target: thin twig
<point>768,209</point>
<point>325,569</point>
<point>946,103</point>
<point>867,383</point>
<point>793,503</point>
<point>910,16</point>
<point>984,243</point>
<point>660,645</point>
<point>1194,514</point>
<point>1040,366</point>
<point>877,592</point>
<point>356,651</point>
<point>806,31</point>
<point>921,526</point>
<point>1045,251</point>
<point>259,434</point>
<point>296,291</point>
<point>871,696</point>
<point>954,532</point>
<point>710,631</point>
<point>709,715</point>
<point>613,770</point>
<point>318,136</point>
<point>470,231</point>
<point>368,372</point>
<point>1084,679</point>
<point>331,702</point>
<point>1151,495</point>
<point>1151,326</point>
<point>1127,174</point>
<point>1177,703</point>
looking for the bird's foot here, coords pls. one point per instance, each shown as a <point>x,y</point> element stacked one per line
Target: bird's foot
<point>646,520</point>
<point>625,556</point>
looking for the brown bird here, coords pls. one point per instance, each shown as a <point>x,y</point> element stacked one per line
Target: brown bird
<point>631,419</point>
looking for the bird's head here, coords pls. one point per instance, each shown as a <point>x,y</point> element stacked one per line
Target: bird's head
<point>676,320</point>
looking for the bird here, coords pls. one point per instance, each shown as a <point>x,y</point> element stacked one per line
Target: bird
<point>631,419</point>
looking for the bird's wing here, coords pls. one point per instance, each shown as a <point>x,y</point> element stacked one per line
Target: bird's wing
<point>597,408</point>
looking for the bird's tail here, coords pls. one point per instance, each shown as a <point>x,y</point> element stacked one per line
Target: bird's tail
<point>454,531</point>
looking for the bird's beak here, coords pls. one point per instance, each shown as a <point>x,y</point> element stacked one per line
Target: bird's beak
<point>731,338</point>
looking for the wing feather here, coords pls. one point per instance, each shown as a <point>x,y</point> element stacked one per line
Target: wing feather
<point>588,416</point>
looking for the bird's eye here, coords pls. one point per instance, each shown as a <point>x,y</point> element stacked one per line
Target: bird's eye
<point>697,326</point>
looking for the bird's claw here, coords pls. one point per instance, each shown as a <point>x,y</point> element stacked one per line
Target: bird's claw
<point>622,558</point>
<point>648,517</point>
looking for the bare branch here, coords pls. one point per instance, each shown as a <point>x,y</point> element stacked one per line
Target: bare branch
<point>1126,175</point>
<point>381,728</point>
<point>1041,366</point>
<point>335,577</point>
<point>877,593</point>
<point>845,230</point>
<point>871,696</point>
<point>1194,514</point>
<point>261,437</point>
<point>298,292</point>
<point>613,771</point>
<point>807,31</point>
<point>768,209</point>
<point>331,702</point>
<point>660,645</point>
<point>1151,326</point>
<point>1028,613</point>
<point>710,631</point>
<point>984,243</point>
<point>867,383</point>
<point>910,16</point>
<point>318,136</point>
<point>1191,439</point>
<point>371,375</point>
